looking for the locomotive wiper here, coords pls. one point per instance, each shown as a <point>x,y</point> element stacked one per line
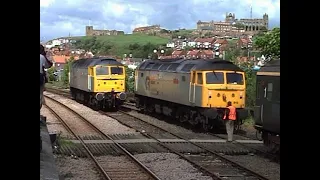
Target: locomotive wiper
<point>215,75</point>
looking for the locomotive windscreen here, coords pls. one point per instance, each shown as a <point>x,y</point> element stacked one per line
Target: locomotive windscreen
<point>102,70</point>
<point>214,78</point>
<point>117,70</point>
<point>234,78</point>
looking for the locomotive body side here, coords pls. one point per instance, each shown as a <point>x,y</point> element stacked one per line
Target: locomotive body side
<point>190,90</point>
<point>100,82</point>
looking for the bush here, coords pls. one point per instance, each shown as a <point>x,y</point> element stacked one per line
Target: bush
<point>129,79</point>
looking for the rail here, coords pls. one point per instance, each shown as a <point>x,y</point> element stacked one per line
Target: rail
<point>193,143</point>
<point>127,153</point>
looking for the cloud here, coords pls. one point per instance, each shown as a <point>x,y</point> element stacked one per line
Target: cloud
<point>61,17</point>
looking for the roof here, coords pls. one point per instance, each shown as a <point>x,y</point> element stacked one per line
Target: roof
<point>193,52</point>
<point>185,66</point>
<point>221,41</point>
<point>272,68</point>
<point>176,52</point>
<point>208,52</point>
<point>61,59</point>
<point>244,40</point>
<point>204,40</point>
<point>85,63</point>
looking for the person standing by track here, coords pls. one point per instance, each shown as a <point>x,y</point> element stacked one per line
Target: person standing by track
<point>230,116</point>
<point>44,63</point>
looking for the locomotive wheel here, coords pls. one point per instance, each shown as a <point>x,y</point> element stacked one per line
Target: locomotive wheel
<point>237,127</point>
<point>206,127</point>
<point>183,118</point>
<point>94,104</point>
<point>259,135</point>
<point>195,121</point>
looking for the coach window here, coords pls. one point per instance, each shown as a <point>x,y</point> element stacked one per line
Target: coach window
<point>269,91</point>
<point>141,74</point>
<point>183,78</point>
<point>277,92</point>
<point>258,87</point>
<point>199,78</point>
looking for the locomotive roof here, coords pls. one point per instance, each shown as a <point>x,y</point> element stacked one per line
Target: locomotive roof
<point>85,63</point>
<point>186,65</point>
<point>272,68</point>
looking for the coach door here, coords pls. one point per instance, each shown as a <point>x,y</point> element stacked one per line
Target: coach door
<point>264,97</point>
<point>192,87</point>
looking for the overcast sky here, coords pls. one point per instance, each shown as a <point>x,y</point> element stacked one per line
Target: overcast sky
<point>61,17</point>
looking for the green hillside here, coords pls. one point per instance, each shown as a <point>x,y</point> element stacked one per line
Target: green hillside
<point>121,44</point>
<point>122,40</point>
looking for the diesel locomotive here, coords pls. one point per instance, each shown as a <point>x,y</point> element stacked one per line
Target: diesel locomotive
<point>98,82</point>
<point>194,91</point>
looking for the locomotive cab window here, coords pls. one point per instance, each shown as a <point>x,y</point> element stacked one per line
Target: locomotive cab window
<point>116,70</point>
<point>102,70</point>
<point>234,78</point>
<point>214,78</point>
<point>199,78</point>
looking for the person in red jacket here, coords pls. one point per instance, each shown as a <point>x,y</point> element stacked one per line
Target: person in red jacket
<point>230,116</point>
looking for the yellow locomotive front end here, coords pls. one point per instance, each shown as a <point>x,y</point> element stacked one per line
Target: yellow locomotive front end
<point>223,86</point>
<point>217,88</point>
<point>108,83</point>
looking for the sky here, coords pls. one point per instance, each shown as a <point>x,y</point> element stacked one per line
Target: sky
<point>60,18</point>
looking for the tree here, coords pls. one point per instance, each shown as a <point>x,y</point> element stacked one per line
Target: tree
<point>263,28</point>
<point>66,70</point>
<point>232,54</point>
<point>239,26</point>
<point>164,31</point>
<point>250,76</point>
<point>50,72</point>
<point>208,34</point>
<point>269,43</point>
<point>129,79</point>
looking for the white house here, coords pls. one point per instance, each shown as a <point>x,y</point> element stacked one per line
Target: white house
<point>170,45</point>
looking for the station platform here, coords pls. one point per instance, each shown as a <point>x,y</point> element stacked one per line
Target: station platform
<point>48,169</point>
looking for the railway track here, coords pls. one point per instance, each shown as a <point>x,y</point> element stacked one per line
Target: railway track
<point>256,148</point>
<point>210,162</point>
<point>131,169</point>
